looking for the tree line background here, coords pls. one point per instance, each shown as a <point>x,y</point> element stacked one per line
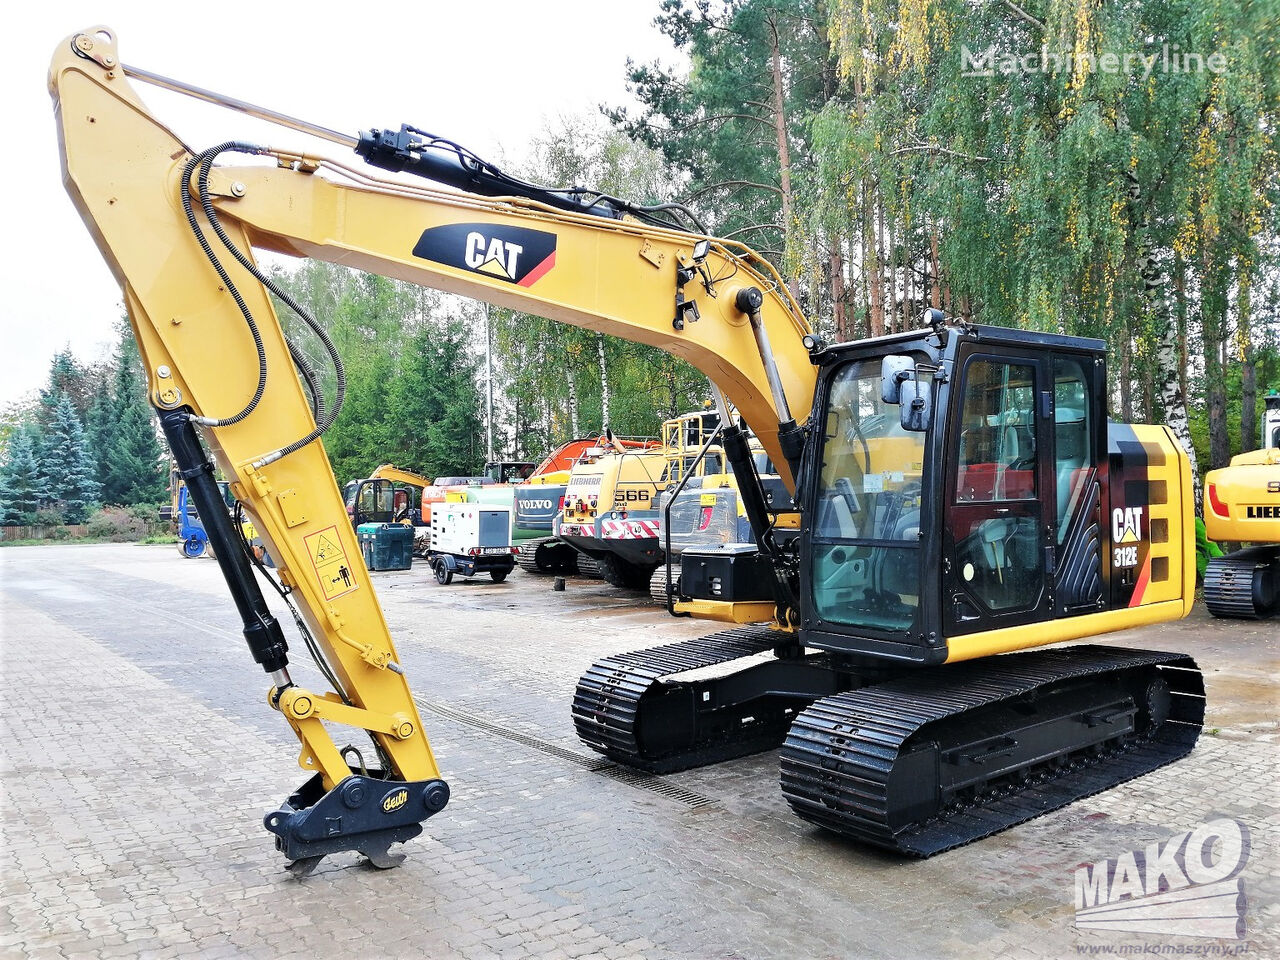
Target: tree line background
<point>888,155</point>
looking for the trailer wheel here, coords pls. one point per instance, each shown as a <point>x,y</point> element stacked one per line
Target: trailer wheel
<point>443,573</point>
<point>498,575</point>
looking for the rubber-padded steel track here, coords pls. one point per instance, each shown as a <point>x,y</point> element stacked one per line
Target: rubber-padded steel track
<point>840,754</point>
<point>609,704</point>
<point>1244,585</point>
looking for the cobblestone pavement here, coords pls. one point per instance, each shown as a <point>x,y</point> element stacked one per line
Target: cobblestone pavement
<point>139,757</point>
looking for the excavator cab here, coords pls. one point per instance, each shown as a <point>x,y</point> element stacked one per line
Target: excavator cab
<point>960,489</point>
<point>509,471</point>
<point>960,484</point>
<point>1271,422</point>
<point>371,501</point>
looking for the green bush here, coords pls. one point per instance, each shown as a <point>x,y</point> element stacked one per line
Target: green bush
<point>119,524</point>
<point>49,517</point>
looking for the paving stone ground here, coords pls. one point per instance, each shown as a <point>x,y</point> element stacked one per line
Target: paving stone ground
<point>137,757</point>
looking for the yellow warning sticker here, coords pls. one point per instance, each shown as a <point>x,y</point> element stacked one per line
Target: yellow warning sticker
<point>333,569</point>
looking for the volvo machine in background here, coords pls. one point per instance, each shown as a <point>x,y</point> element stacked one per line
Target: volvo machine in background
<point>1242,505</point>
<point>959,494</point>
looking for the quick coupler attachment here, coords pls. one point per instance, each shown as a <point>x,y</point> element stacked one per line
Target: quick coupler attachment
<point>363,813</point>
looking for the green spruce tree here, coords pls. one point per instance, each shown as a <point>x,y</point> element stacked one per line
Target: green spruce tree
<point>20,483</point>
<point>131,465</point>
<point>65,464</point>
<point>69,378</point>
<point>100,428</point>
<point>434,404</point>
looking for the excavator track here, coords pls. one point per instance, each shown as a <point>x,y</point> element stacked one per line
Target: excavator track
<point>942,757</point>
<point>546,555</point>
<point>658,583</point>
<point>646,709</point>
<point>1244,585</point>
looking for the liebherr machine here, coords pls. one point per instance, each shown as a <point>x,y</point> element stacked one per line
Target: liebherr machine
<point>1242,504</point>
<point>960,493</point>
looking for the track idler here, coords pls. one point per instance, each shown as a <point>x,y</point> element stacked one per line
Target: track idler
<point>363,813</point>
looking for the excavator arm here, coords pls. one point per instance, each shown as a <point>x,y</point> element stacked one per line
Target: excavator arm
<point>178,230</point>
<point>393,473</point>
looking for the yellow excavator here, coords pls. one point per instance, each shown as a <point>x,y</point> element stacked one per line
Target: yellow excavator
<point>1242,505</point>
<point>609,516</point>
<point>958,491</point>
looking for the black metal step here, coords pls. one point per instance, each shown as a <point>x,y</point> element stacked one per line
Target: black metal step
<point>847,757</point>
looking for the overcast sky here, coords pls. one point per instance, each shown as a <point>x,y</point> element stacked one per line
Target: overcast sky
<point>485,74</point>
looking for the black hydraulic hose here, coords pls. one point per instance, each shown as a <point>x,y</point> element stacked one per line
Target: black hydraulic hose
<point>235,294</point>
<point>206,200</point>
<point>299,359</point>
<point>314,393</point>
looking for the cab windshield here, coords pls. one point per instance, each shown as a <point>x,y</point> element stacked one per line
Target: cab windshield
<point>866,535</point>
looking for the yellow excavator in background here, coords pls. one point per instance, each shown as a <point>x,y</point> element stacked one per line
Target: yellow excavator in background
<point>1242,505</point>
<point>388,495</point>
<point>609,516</point>
<point>957,490</point>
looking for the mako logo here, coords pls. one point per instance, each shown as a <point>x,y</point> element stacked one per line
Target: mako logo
<point>515,254</point>
<point>1188,886</point>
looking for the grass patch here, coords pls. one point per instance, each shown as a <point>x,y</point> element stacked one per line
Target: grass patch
<point>51,542</point>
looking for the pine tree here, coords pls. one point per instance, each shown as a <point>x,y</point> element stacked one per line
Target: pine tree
<point>434,404</point>
<point>20,482</point>
<point>66,468</point>
<point>131,471</point>
<point>99,429</point>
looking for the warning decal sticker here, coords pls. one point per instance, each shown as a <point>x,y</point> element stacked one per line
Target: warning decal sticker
<point>330,560</point>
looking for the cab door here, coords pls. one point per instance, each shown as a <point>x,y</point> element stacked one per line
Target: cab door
<point>997,537</point>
